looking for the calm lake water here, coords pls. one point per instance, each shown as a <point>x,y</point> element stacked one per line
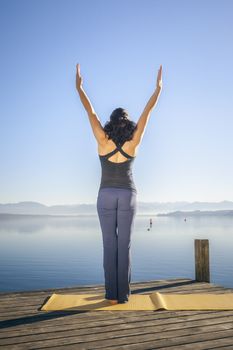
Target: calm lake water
<point>39,252</point>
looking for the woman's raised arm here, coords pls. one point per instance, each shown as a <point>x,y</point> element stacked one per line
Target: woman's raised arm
<point>143,120</point>
<point>93,118</point>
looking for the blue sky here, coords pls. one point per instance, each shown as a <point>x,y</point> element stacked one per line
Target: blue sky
<point>47,149</point>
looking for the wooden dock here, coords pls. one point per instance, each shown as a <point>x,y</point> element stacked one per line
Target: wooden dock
<point>24,326</point>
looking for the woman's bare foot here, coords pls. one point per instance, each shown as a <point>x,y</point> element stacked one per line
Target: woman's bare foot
<point>113,301</point>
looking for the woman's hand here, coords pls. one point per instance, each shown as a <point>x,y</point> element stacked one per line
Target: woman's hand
<point>159,84</point>
<point>79,79</point>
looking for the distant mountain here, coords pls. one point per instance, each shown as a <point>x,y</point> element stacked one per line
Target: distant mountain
<point>185,214</point>
<point>143,208</point>
<point>164,207</point>
<point>35,208</point>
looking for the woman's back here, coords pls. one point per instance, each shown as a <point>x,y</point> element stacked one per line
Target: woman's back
<point>117,164</point>
<point>109,146</point>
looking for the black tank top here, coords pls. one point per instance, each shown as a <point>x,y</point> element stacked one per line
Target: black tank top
<point>117,174</point>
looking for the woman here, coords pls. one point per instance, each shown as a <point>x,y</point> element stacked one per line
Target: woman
<point>117,142</point>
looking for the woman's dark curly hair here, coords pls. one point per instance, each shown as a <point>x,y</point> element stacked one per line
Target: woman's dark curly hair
<point>120,127</point>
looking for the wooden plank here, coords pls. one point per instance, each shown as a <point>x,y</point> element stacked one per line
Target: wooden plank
<point>82,288</point>
<point>107,318</point>
<point>140,325</point>
<point>133,320</point>
<point>23,327</point>
<point>153,336</point>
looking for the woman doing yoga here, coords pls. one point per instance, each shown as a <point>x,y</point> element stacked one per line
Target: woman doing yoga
<point>118,142</point>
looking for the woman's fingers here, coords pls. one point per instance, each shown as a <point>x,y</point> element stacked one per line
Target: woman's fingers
<point>160,70</point>
<point>79,79</point>
<point>159,77</point>
<point>78,68</point>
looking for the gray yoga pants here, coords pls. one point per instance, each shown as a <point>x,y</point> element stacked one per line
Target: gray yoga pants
<point>116,209</point>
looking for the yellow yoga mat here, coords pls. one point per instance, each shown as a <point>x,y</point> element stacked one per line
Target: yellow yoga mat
<point>154,301</point>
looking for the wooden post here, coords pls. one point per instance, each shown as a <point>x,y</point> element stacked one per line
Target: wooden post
<point>202,272</point>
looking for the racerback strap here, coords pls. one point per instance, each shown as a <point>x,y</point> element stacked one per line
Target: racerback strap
<point>118,148</point>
